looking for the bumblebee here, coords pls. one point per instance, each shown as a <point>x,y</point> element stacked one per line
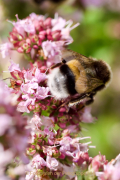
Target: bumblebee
<point>78,77</point>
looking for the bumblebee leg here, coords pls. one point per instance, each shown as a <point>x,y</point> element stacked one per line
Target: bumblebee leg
<point>90,101</point>
<point>77,100</point>
<point>55,65</point>
<point>58,64</point>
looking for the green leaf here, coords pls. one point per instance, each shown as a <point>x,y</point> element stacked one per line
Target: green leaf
<point>45,113</point>
<point>56,127</point>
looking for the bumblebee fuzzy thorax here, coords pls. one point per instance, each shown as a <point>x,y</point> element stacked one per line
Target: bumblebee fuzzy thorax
<point>56,83</point>
<point>61,82</point>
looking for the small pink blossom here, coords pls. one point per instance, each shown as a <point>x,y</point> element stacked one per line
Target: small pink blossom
<point>37,77</point>
<point>36,121</point>
<point>111,170</point>
<point>70,171</point>
<point>6,93</point>
<point>22,26</point>
<point>5,123</point>
<point>58,23</point>
<point>30,99</point>
<point>31,174</point>
<point>86,116</point>
<point>52,163</point>
<point>29,88</point>
<point>28,77</point>
<point>23,107</point>
<point>5,49</point>
<point>38,162</point>
<point>35,17</point>
<point>13,67</point>
<point>52,48</point>
<point>80,157</point>
<point>98,162</point>
<point>65,144</point>
<point>49,133</point>
<point>55,59</point>
<point>47,121</point>
<point>65,34</point>
<point>72,128</point>
<point>42,92</point>
<point>40,76</point>
<point>6,156</point>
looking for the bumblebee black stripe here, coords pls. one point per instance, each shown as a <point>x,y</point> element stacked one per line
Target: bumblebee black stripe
<point>70,79</point>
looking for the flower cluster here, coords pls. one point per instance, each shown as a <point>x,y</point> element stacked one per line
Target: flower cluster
<point>14,133</point>
<point>54,152</point>
<point>101,169</point>
<point>29,84</point>
<point>52,136</point>
<point>40,38</point>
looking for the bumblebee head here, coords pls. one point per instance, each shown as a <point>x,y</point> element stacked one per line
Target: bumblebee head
<point>103,71</point>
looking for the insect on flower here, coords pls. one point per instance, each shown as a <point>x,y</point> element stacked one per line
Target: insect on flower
<point>78,77</point>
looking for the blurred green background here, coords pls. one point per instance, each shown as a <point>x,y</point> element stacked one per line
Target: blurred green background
<point>97,36</point>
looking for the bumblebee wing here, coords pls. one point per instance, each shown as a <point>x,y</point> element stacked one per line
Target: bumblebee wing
<point>69,55</point>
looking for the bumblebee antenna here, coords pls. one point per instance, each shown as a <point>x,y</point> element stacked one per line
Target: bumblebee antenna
<point>63,61</point>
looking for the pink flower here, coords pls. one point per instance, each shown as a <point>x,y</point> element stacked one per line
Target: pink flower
<point>49,133</point>
<point>70,171</point>
<point>31,174</point>
<point>37,77</point>
<point>65,144</point>
<point>28,76</point>
<point>6,156</point>
<point>52,163</point>
<point>50,150</point>
<point>65,34</point>
<point>36,121</point>
<point>58,23</point>
<point>47,121</point>
<point>86,116</point>
<point>38,162</point>
<point>40,76</point>
<point>52,48</point>
<point>111,170</point>
<point>65,141</point>
<point>5,49</point>
<point>22,26</point>
<point>80,157</point>
<point>5,123</point>
<point>72,128</point>
<point>42,92</point>
<point>13,67</point>
<point>98,163</point>
<point>35,17</point>
<point>29,88</point>
<point>23,107</point>
<point>8,97</point>
<point>30,99</point>
<point>13,132</point>
<point>55,59</point>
